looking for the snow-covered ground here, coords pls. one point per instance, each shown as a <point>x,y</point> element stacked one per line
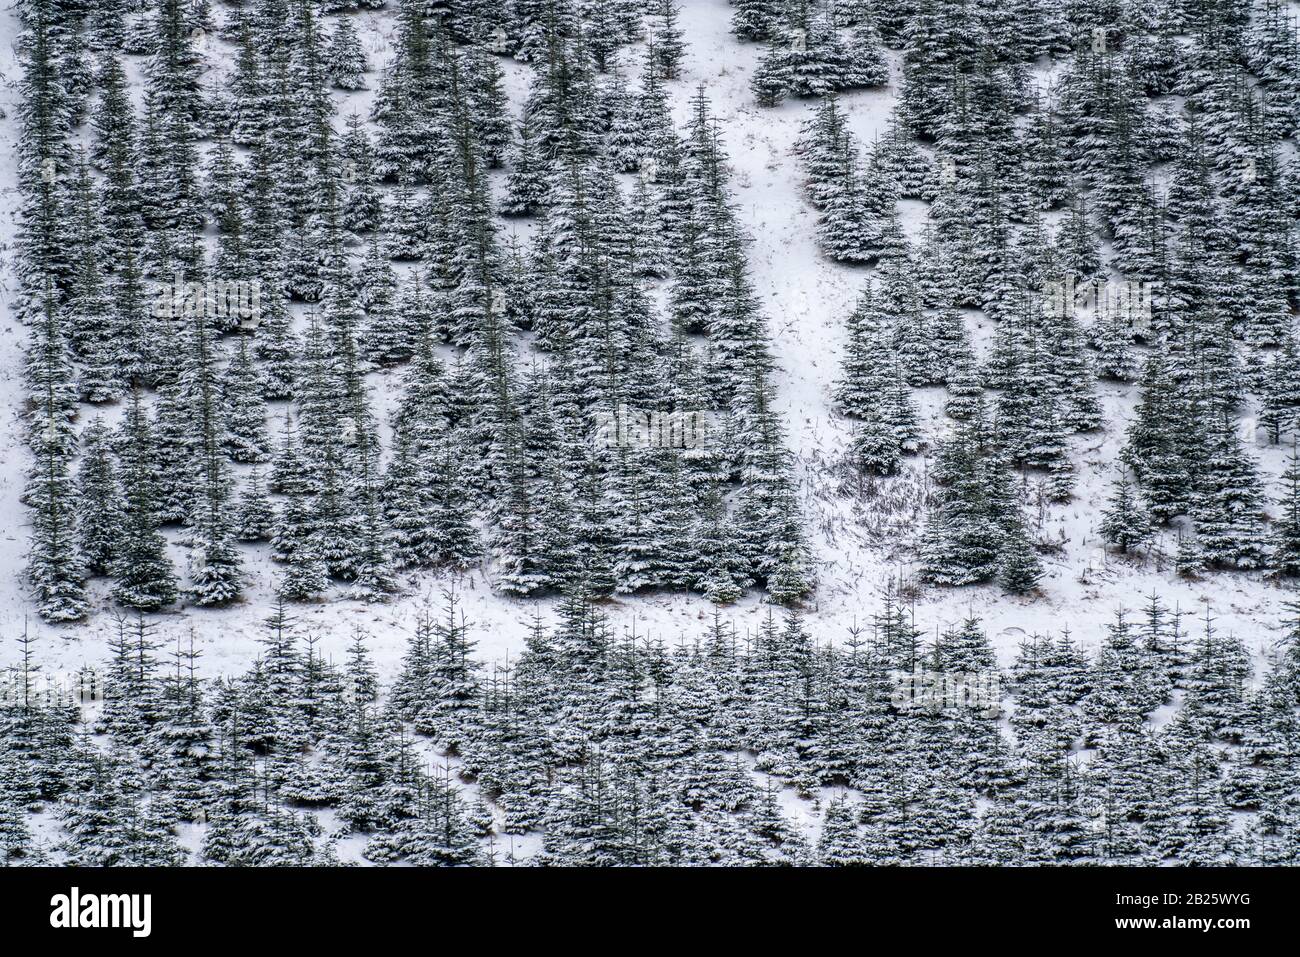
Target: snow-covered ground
<point>806,299</point>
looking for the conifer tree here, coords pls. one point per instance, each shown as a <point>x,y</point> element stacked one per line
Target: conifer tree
<point>1124,523</point>
<point>755,20</point>
<point>275,345</point>
<point>144,576</point>
<point>254,514</point>
<point>245,437</point>
<point>345,61</point>
<point>1019,570</point>
<point>964,531</point>
<point>294,542</point>
<point>55,566</point>
<point>666,41</point>
<point>526,180</point>
<point>1285,541</point>
<point>1227,509</point>
<point>362,205</point>
<point>99,521</point>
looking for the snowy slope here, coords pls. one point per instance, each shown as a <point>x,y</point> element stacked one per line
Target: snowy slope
<point>806,299</point>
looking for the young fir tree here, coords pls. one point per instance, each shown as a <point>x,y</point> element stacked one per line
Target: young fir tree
<point>55,567</point>
<point>666,41</point>
<point>1019,570</point>
<point>526,178</point>
<point>755,20</point>
<point>1285,540</point>
<point>294,542</point>
<point>254,515</point>
<point>145,579</point>
<point>215,562</point>
<point>770,83</point>
<point>345,61</point>
<point>99,521</point>
<point>1228,506</point>
<point>767,516</point>
<point>94,327</point>
<point>1125,523</point>
<point>965,530</point>
<point>275,345</point>
<point>362,207</point>
<point>245,437</point>
<point>394,320</point>
<point>373,578</point>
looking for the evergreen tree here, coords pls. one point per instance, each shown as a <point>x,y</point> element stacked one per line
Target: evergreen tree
<point>254,515</point>
<point>246,438</point>
<point>1285,558</point>
<point>1124,523</point>
<point>99,521</point>
<point>55,566</point>
<point>145,578</point>
<point>965,529</point>
<point>345,61</point>
<point>666,42</point>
